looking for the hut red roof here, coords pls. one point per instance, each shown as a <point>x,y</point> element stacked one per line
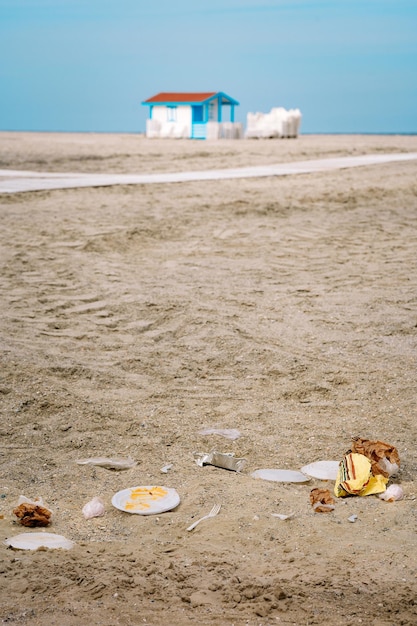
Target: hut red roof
<point>181,97</point>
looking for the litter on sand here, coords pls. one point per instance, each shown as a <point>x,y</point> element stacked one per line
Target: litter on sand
<point>352,519</point>
<point>109,463</point>
<point>366,468</point>
<point>214,511</point>
<point>383,456</point>
<point>32,513</point>
<point>146,500</point>
<point>321,500</point>
<point>282,516</point>
<point>94,508</point>
<point>219,459</point>
<point>166,468</point>
<point>280,476</point>
<point>38,541</point>
<point>228,433</point>
<point>393,493</point>
<point>323,470</point>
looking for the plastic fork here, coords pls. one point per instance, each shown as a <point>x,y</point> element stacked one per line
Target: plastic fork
<point>214,511</point>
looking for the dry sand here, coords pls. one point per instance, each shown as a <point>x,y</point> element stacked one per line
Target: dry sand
<point>134,316</point>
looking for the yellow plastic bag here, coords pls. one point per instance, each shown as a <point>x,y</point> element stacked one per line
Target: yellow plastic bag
<point>355,477</point>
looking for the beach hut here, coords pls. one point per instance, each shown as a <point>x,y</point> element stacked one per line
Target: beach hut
<point>192,115</point>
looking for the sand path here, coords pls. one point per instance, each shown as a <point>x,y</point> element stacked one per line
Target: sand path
<point>15,181</point>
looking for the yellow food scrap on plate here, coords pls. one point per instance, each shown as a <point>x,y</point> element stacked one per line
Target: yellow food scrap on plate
<point>141,497</point>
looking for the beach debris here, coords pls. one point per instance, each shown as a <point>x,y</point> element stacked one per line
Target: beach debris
<point>228,433</point>
<point>366,468</point>
<point>282,516</point>
<point>39,541</point>
<point>32,513</point>
<point>355,477</point>
<point>352,519</point>
<point>214,511</point>
<point>166,468</point>
<point>383,456</point>
<point>321,500</point>
<point>146,500</point>
<point>220,459</point>
<point>94,508</point>
<point>393,493</point>
<point>281,476</point>
<point>323,470</point>
<point>115,464</point>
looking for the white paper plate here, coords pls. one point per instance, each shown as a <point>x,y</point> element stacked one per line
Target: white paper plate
<point>281,476</point>
<point>146,500</point>
<point>33,541</point>
<point>324,470</point>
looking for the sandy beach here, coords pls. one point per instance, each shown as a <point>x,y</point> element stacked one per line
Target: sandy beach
<point>135,316</point>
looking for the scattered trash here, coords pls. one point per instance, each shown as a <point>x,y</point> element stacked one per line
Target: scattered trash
<point>281,476</point>
<point>219,459</point>
<point>393,493</point>
<point>383,456</point>
<point>38,541</point>
<point>146,500</point>
<point>32,513</point>
<point>166,468</point>
<point>283,517</point>
<point>94,508</point>
<point>366,468</point>
<point>214,511</point>
<point>229,433</point>
<point>323,470</point>
<point>108,463</point>
<point>352,518</point>
<point>355,477</point>
<point>321,500</point>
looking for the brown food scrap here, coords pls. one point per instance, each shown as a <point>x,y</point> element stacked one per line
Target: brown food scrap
<point>375,451</point>
<point>32,514</point>
<point>321,500</point>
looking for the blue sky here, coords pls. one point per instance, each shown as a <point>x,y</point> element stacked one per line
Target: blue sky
<point>86,65</point>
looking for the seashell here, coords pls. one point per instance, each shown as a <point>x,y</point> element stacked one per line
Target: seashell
<point>94,508</point>
<point>394,492</point>
<point>37,541</point>
<point>109,463</point>
<point>281,476</point>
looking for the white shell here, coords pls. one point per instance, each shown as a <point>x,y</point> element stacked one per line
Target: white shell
<point>94,508</point>
<point>394,492</point>
<point>324,470</point>
<point>146,500</point>
<point>34,541</point>
<point>280,476</point>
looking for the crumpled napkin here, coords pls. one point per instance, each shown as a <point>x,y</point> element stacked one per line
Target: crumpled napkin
<point>321,500</point>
